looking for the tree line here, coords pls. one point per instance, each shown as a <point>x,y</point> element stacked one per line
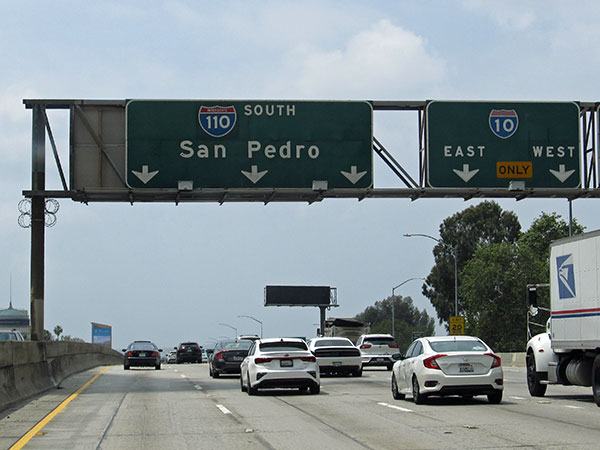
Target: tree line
<point>495,262</point>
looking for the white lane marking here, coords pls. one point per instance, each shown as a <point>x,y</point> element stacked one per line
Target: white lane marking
<point>197,386</point>
<point>223,409</point>
<point>395,407</point>
<point>517,398</point>
<point>573,407</point>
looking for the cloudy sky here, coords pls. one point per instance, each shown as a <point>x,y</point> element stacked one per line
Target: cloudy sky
<point>171,273</point>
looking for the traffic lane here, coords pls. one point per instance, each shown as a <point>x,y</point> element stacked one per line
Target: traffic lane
<point>16,422</point>
<point>139,408</point>
<point>353,413</point>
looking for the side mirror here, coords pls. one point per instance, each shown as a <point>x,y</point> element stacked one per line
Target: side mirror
<point>532,297</point>
<point>124,350</point>
<point>160,350</point>
<point>397,356</point>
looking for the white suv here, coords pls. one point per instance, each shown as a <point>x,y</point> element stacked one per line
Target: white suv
<point>378,350</point>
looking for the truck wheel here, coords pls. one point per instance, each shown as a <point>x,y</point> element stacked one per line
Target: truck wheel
<point>596,380</point>
<point>536,388</point>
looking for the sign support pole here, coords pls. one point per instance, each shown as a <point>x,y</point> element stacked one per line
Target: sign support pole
<point>38,185</point>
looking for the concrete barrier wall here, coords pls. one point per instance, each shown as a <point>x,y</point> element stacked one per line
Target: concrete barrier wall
<point>513,359</point>
<point>29,368</point>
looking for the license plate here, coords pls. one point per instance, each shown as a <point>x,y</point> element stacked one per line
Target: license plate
<point>337,363</point>
<point>142,355</point>
<point>237,358</point>
<point>466,368</point>
<point>286,363</point>
<point>380,359</point>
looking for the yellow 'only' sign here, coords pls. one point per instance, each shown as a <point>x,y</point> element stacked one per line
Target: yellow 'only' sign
<point>514,169</point>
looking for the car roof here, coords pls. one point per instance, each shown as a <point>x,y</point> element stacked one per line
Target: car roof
<point>377,336</point>
<point>317,339</point>
<point>451,338</point>
<point>290,339</point>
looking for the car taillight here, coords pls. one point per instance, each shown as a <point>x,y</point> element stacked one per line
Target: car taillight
<point>497,361</point>
<point>431,362</point>
<point>366,346</point>
<point>219,355</point>
<point>308,359</point>
<point>262,360</point>
<point>181,349</point>
<point>154,353</point>
<point>393,345</point>
<point>129,354</point>
<point>197,348</point>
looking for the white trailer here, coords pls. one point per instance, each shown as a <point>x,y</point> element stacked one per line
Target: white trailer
<point>568,353</point>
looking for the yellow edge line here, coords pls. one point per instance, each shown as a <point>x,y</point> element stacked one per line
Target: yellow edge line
<point>36,429</point>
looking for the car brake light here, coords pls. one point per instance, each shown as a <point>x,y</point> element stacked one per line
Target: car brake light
<point>431,362</point>
<point>393,345</point>
<point>154,353</point>
<point>219,355</point>
<point>308,359</point>
<point>129,354</point>
<point>497,361</point>
<point>197,348</point>
<point>366,346</point>
<point>181,349</point>
<point>262,360</point>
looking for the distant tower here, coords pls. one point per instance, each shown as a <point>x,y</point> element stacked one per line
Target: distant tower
<point>18,319</point>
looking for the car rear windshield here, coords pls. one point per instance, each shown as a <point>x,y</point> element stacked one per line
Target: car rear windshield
<point>237,345</point>
<point>282,346</point>
<point>7,336</point>
<point>380,340</point>
<point>189,344</point>
<point>458,346</point>
<point>333,343</point>
<point>142,346</point>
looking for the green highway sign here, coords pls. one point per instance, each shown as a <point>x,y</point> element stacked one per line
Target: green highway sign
<point>514,145</point>
<point>199,144</point>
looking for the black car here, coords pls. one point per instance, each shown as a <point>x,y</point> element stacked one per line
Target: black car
<point>227,356</point>
<point>141,353</point>
<point>188,352</point>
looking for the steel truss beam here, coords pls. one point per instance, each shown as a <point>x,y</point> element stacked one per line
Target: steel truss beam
<point>413,189</point>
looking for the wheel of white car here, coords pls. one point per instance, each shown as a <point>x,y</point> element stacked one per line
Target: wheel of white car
<point>395,392</point>
<point>242,387</point>
<point>418,398</point>
<point>251,390</point>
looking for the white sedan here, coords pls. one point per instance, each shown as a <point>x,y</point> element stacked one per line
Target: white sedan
<point>448,365</point>
<point>336,355</point>
<point>279,363</point>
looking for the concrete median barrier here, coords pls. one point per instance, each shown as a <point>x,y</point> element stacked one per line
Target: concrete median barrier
<point>513,359</point>
<point>30,368</point>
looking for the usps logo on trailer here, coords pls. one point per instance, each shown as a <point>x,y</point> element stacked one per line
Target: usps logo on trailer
<point>504,122</point>
<point>217,121</point>
<point>566,276</point>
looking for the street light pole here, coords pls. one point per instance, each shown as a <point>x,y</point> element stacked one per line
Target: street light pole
<point>233,328</point>
<point>453,249</point>
<point>393,303</point>
<point>256,320</point>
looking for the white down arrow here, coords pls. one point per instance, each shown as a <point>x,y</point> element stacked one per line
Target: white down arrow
<point>353,176</point>
<point>465,174</point>
<point>562,174</point>
<point>144,175</point>
<point>254,175</point>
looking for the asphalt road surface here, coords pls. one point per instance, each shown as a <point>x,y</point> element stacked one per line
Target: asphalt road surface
<point>181,407</point>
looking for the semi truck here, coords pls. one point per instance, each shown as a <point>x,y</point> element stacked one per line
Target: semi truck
<point>345,327</point>
<point>568,352</point>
